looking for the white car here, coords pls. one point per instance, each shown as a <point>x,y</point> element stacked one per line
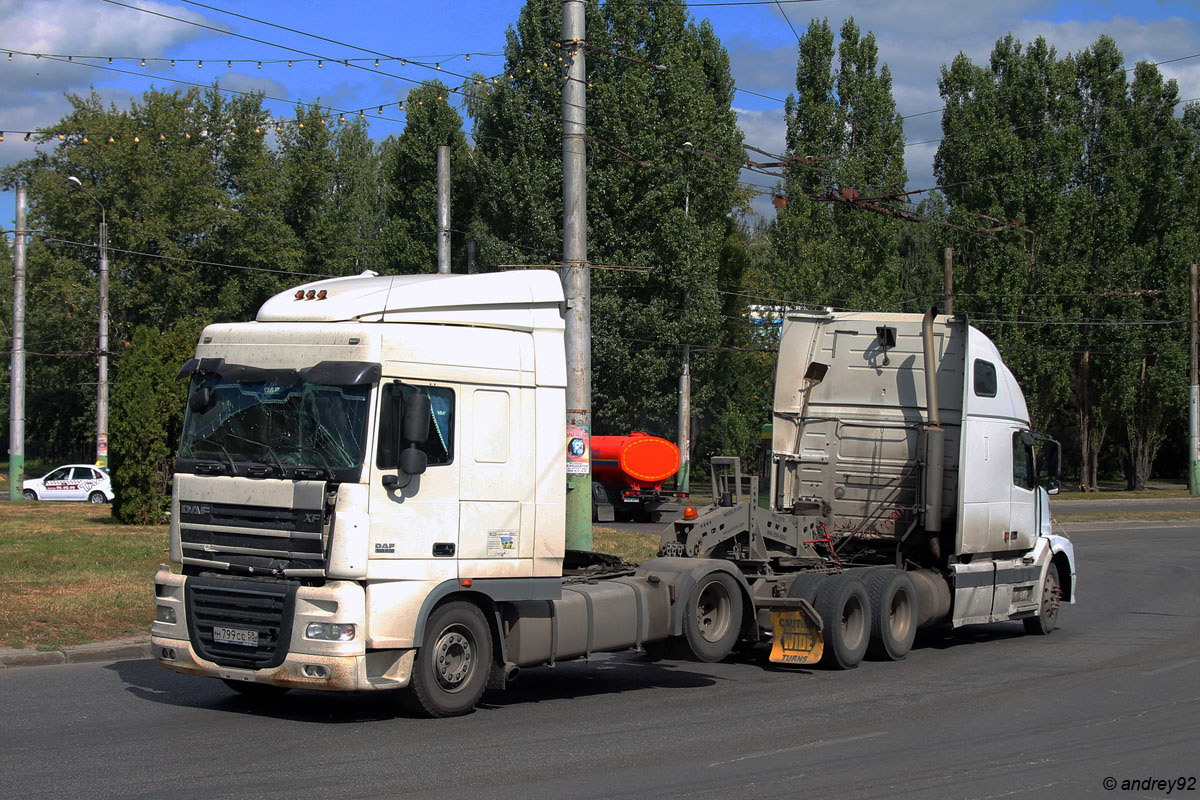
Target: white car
<point>71,482</point>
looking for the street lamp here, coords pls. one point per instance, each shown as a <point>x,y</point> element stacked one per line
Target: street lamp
<point>102,384</point>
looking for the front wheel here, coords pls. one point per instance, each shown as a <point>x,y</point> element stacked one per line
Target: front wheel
<point>29,494</point>
<point>453,663</point>
<point>97,497</point>
<point>1043,624</point>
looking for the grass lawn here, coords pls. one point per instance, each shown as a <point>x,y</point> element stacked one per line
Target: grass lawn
<point>69,574</point>
<point>1132,515</point>
<point>629,545</point>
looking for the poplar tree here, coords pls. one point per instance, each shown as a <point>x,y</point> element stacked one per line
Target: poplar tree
<point>657,80</point>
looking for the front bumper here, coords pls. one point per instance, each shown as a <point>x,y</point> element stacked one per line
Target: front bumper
<point>381,669</point>
<point>299,663</point>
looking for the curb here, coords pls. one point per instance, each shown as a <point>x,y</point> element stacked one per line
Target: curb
<point>81,654</point>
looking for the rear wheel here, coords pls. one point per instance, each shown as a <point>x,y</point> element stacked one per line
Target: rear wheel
<point>1043,624</point>
<point>845,610</point>
<point>712,618</point>
<point>29,494</point>
<point>452,665</point>
<point>893,614</point>
<point>97,498</point>
<point>807,586</point>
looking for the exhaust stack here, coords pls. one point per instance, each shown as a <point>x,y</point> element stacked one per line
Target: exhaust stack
<point>935,439</point>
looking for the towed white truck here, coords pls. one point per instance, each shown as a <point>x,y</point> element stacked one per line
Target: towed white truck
<point>370,493</point>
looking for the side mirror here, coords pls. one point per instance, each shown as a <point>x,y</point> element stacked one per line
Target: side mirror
<point>416,418</point>
<point>1053,457</point>
<point>413,461</point>
<point>1052,486</point>
<point>202,400</point>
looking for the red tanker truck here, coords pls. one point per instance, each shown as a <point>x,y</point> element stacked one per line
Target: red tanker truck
<point>628,473</point>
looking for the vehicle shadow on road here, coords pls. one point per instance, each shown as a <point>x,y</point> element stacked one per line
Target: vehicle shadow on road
<point>146,680</point>
<point>946,638</point>
<point>604,674</point>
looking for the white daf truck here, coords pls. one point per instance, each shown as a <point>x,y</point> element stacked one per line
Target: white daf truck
<point>370,492</point>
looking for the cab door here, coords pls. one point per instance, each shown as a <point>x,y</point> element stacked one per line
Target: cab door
<point>1022,524</point>
<point>414,523</point>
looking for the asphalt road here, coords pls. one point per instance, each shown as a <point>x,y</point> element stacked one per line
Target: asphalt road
<point>986,713</point>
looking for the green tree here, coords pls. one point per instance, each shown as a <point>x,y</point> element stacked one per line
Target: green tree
<point>652,203</point>
<point>147,419</point>
<point>409,178</point>
<point>843,133</point>
<point>330,176</point>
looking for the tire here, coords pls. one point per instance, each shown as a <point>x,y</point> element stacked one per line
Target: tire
<point>261,691</point>
<point>29,494</point>
<point>806,586</point>
<point>1043,624</point>
<point>845,609</point>
<point>97,498</point>
<point>452,665</point>
<point>893,614</point>
<point>712,617</point>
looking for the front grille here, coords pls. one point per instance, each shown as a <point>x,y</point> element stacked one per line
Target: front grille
<point>265,607</point>
<point>278,538</point>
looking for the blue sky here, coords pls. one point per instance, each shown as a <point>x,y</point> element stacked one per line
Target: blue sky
<point>916,37</point>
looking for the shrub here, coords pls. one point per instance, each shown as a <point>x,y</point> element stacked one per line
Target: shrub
<point>147,419</point>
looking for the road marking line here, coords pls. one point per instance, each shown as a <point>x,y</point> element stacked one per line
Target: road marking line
<point>1171,667</point>
<point>823,743</point>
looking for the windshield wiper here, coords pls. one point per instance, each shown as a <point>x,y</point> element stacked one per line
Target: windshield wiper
<point>267,447</point>
<point>232,468</point>
<point>325,468</point>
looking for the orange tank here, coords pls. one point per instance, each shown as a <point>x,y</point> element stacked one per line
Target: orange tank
<point>639,460</point>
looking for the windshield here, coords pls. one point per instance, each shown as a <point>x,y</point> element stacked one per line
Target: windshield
<point>281,422</point>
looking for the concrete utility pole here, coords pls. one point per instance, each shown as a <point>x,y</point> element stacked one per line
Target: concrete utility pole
<point>576,280</point>
<point>16,371</point>
<point>684,422</point>
<point>948,280</point>
<point>102,382</point>
<point>1194,400</point>
<point>443,209</point>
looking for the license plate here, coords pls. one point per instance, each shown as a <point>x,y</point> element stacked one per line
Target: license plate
<point>632,499</point>
<point>796,640</point>
<point>235,636</point>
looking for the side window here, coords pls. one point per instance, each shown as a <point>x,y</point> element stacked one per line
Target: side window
<point>81,474</point>
<point>58,475</point>
<point>1023,475</point>
<point>985,378</point>
<point>438,445</point>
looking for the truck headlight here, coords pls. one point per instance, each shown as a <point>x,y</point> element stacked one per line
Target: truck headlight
<point>330,631</point>
<point>164,614</point>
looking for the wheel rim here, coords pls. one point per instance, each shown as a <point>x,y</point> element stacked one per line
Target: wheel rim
<point>713,612</point>
<point>853,622</point>
<point>900,615</point>
<point>454,658</point>
<point>97,498</point>
<point>30,496</point>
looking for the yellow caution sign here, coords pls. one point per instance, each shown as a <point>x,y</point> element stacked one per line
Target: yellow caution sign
<point>797,639</point>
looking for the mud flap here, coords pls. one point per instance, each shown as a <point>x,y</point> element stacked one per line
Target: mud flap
<point>796,635</point>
